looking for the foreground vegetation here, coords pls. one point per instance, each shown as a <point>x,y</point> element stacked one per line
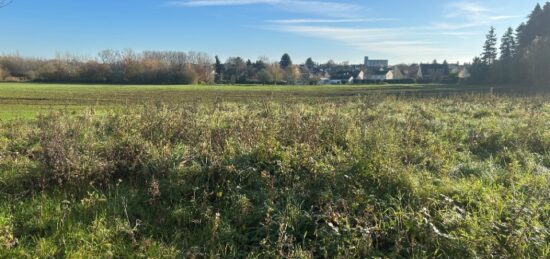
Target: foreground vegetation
<point>463,176</point>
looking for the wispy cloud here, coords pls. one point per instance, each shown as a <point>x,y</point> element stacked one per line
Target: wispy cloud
<point>347,23</point>
<point>414,43</point>
<point>469,14</point>
<point>324,8</point>
<point>465,8</point>
<point>312,21</point>
<point>196,3</point>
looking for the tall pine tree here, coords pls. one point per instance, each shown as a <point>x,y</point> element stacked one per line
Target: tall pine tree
<point>546,19</point>
<point>508,46</point>
<point>489,54</point>
<point>523,59</point>
<point>527,32</point>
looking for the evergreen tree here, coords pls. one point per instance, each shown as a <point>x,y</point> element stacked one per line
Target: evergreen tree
<point>545,20</point>
<point>218,67</point>
<point>520,37</point>
<point>537,62</point>
<point>527,32</point>
<point>478,71</point>
<point>489,49</point>
<point>507,46</point>
<point>260,64</point>
<point>286,62</point>
<point>310,64</point>
<point>524,57</point>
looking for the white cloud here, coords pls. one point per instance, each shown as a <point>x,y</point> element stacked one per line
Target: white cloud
<point>408,44</point>
<point>469,14</point>
<point>449,36</point>
<point>465,8</point>
<point>196,3</point>
<point>324,8</point>
<point>312,21</point>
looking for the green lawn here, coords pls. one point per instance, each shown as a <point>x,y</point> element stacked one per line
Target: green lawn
<point>26,100</point>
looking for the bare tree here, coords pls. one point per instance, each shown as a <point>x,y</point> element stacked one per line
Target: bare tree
<point>5,3</point>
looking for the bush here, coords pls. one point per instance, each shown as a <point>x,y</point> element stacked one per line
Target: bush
<point>264,76</point>
<point>186,76</point>
<point>3,73</point>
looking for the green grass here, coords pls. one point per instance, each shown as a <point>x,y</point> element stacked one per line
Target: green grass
<point>27,100</point>
<point>299,173</point>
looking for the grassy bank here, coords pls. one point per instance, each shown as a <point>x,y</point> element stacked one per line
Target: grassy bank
<point>465,176</point>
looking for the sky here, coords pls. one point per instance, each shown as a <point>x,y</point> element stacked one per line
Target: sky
<point>402,31</point>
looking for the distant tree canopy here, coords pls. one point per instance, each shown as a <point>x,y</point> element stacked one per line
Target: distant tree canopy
<point>286,62</point>
<point>113,66</point>
<point>148,67</point>
<point>524,54</point>
<point>310,64</point>
<point>264,76</point>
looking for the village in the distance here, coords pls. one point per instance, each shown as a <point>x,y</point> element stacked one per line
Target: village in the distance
<point>379,70</point>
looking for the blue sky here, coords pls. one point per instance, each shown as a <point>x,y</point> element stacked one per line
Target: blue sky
<point>346,30</point>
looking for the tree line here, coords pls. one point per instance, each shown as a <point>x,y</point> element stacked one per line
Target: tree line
<point>111,66</point>
<point>238,71</point>
<point>523,57</point>
<point>152,67</point>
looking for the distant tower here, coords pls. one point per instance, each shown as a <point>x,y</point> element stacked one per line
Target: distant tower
<point>380,63</point>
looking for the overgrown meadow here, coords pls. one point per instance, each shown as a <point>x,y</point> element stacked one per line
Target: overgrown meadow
<point>379,176</point>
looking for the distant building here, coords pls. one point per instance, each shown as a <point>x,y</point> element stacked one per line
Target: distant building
<point>342,77</point>
<point>455,68</point>
<point>380,63</point>
<point>464,74</point>
<point>395,74</point>
<point>411,72</point>
<point>377,74</point>
<point>433,72</point>
<point>360,76</point>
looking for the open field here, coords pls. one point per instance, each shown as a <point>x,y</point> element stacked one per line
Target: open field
<point>26,100</point>
<point>234,171</point>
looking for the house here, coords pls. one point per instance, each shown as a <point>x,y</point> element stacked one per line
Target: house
<point>455,69</point>
<point>376,74</point>
<point>324,78</point>
<point>346,74</point>
<point>464,74</point>
<point>411,71</point>
<point>343,75</point>
<point>327,79</point>
<point>395,74</point>
<point>433,72</point>
<point>360,76</point>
